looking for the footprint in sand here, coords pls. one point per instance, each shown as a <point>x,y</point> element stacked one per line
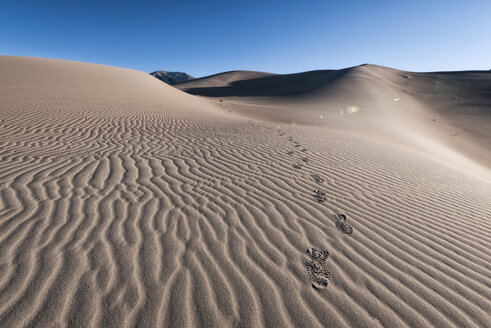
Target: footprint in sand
<point>303,149</point>
<point>317,269</point>
<point>291,152</point>
<point>342,225</point>
<point>317,178</point>
<point>305,159</point>
<point>320,196</point>
<point>297,165</point>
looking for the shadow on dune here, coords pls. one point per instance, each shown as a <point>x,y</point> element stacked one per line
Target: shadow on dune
<point>470,84</point>
<point>271,85</point>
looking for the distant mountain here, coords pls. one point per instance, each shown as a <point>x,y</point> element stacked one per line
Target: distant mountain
<point>172,77</point>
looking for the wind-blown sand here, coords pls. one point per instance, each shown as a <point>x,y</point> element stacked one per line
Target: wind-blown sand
<point>127,202</point>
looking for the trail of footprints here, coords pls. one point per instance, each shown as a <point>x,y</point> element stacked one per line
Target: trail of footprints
<point>316,266</point>
<point>134,251</point>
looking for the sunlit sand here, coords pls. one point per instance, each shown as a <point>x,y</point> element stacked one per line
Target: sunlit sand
<point>356,197</point>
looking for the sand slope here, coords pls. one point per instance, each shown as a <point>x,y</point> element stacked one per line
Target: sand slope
<point>126,202</point>
<point>444,114</point>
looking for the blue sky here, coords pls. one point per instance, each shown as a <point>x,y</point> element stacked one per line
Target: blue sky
<point>207,37</point>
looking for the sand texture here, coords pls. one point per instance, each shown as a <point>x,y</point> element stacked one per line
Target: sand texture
<point>125,202</point>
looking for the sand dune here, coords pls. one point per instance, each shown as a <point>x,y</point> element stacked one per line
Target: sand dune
<point>127,202</point>
<point>220,81</point>
<point>442,114</point>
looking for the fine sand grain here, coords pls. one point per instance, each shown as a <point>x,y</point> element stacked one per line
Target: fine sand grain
<point>125,202</point>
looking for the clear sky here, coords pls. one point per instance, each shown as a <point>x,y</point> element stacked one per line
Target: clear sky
<point>207,37</point>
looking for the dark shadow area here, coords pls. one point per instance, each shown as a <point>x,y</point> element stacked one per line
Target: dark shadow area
<point>276,85</point>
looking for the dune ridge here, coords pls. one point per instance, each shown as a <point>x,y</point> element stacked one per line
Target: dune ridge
<point>134,204</point>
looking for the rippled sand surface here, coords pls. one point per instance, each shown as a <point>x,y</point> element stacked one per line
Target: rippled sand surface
<point>125,202</point>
